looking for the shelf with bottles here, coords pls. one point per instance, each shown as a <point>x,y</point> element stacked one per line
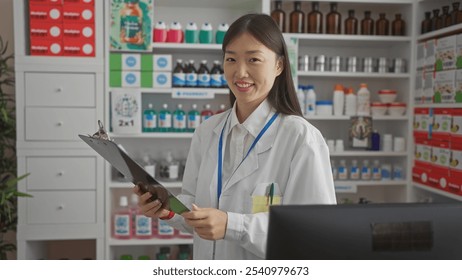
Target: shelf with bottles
<point>189,47</point>
<point>148,242</point>
<point>437,191</point>
<point>342,40</point>
<point>348,118</point>
<point>362,153</point>
<point>438,18</point>
<point>438,105</point>
<point>362,75</point>
<point>391,183</point>
<point>129,185</point>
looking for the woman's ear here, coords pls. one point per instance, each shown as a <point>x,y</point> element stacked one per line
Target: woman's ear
<point>279,66</point>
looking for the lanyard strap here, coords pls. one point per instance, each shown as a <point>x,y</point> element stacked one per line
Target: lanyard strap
<point>220,150</point>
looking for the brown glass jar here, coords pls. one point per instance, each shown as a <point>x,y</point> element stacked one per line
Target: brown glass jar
<point>351,23</point>
<point>437,22</point>
<point>426,25</point>
<point>398,26</point>
<point>279,16</point>
<point>456,14</point>
<point>314,19</point>
<point>297,19</point>
<point>367,24</point>
<point>333,20</point>
<point>446,17</point>
<point>382,25</point>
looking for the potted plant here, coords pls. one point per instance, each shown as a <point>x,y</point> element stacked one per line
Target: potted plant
<point>8,165</point>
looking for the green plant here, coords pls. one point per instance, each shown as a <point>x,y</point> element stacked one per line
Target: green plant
<point>8,165</point>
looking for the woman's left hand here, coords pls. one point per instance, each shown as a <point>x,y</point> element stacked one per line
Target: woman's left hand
<point>209,223</point>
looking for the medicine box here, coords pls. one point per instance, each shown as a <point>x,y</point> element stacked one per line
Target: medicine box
<point>47,2</point>
<point>46,47</point>
<point>76,13</point>
<point>442,120</point>
<point>79,31</point>
<point>428,89</point>
<point>420,56</point>
<point>418,91</point>
<point>162,62</point>
<point>459,51</point>
<point>43,30</point>
<point>126,111</point>
<point>81,2</point>
<point>446,53</point>
<point>45,13</point>
<point>73,47</point>
<point>458,86</point>
<point>125,79</point>
<point>444,87</point>
<point>430,54</point>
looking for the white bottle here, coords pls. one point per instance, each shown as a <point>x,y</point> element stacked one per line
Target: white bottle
<point>339,100</point>
<point>350,102</point>
<point>149,165</point>
<point>310,101</point>
<point>122,227</point>
<point>363,101</point>
<point>301,98</point>
<point>342,170</point>
<point>376,170</point>
<point>365,170</point>
<point>334,169</point>
<point>354,170</point>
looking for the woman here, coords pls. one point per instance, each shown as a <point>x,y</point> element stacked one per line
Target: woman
<point>229,187</point>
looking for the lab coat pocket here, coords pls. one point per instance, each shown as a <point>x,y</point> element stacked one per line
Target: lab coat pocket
<point>264,195</point>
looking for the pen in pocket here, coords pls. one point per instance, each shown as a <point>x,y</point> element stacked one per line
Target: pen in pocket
<point>270,195</point>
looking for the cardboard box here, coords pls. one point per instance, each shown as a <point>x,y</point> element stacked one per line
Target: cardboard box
<point>458,86</point>
<point>420,175</point>
<point>46,47</point>
<point>83,14</point>
<point>455,161</point>
<point>442,122</point>
<point>444,87</point>
<point>125,79</point>
<point>78,48</point>
<point>162,62</point>
<point>47,2</point>
<point>43,30</point>
<point>81,2</point>
<point>418,91</point>
<point>423,153</point>
<point>455,181</point>
<point>162,79</point>
<point>430,55</point>
<point>422,122</point>
<point>459,51</point>
<point>131,62</point>
<point>139,37</point>
<point>456,126</point>
<point>446,53</point>
<point>420,62</point>
<point>428,87</point>
<point>126,111</point>
<point>45,13</point>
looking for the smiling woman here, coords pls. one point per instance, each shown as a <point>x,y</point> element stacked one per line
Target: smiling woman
<point>259,153</point>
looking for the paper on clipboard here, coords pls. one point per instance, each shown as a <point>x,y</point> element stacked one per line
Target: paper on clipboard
<point>120,160</point>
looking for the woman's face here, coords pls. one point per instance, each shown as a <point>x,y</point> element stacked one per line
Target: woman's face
<point>250,69</point>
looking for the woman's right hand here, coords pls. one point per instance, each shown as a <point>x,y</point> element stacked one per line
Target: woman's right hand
<point>150,208</point>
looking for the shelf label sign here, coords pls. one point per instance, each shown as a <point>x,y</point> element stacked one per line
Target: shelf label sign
<point>192,94</point>
<point>346,189</point>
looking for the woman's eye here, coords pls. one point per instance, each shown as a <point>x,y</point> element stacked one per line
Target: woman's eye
<point>254,60</point>
<point>229,59</point>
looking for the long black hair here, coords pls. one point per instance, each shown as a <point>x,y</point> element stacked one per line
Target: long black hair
<point>263,28</point>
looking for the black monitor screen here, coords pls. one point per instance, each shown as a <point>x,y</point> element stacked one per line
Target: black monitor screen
<point>365,231</point>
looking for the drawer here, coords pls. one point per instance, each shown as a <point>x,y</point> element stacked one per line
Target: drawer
<point>60,124</point>
<point>60,90</point>
<point>61,207</point>
<point>61,173</point>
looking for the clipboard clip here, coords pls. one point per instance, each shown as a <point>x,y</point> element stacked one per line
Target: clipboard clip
<point>101,133</point>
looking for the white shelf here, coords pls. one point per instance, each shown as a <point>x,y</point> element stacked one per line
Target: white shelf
<point>149,242</point>
<point>343,40</point>
<point>361,153</point>
<point>156,135</point>
<point>186,46</point>
<point>437,191</point>
<point>347,186</point>
<point>361,75</point>
<point>347,118</point>
<point>439,105</point>
<point>124,185</point>
<point>440,32</point>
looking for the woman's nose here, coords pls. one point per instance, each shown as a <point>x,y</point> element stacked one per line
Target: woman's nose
<point>241,70</point>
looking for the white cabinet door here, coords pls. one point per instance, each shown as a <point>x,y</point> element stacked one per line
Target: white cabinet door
<point>59,124</point>
<point>60,89</point>
<point>61,207</point>
<point>61,173</point>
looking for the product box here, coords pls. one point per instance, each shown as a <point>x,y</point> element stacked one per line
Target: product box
<point>420,175</point>
<point>420,56</point>
<point>444,87</point>
<point>81,2</point>
<point>131,26</point>
<point>418,90</point>
<point>47,2</point>
<point>422,122</point>
<point>458,87</point>
<point>459,51</point>
<point>430,55</point>
<point>456,126</point>
<point>45,13</point>
<point>455,181</point>
<point>43,30</point>
<point>46,47</point>
<point>423,152</point>
<point>131,62</point>
<point>79,14</point>
<point>442,121</point>
<point>125,79</point>
<point>162,79</point>
<point>162,62</point>
<point>126,111</point>
<point>441,154</point>
<point>446,53</point>
<point>428,87</point>
<point>78,48</point>
<point>455,161</point>
<point>79,31</point>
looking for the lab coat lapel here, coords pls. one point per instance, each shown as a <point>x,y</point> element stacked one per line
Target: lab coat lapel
<point>250,164</point>
<point>212,156</point>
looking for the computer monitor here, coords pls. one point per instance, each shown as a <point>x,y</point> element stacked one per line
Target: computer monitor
<point>401,231</point>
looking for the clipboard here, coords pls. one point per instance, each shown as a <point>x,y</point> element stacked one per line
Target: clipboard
<point>120,160</point>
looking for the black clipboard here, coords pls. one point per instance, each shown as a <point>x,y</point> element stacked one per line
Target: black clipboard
<point>120,160</point>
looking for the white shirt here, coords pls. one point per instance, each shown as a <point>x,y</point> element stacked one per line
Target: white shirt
<point>292,155</point>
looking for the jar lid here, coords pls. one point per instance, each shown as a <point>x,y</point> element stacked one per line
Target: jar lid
<point>387,91</point>
<point>324,102</point>
<point>397,104</point>
<point>378,104</point>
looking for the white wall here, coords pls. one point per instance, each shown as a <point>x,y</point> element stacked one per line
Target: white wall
<point>6,31</point>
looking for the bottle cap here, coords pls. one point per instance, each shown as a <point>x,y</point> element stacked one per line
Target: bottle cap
<point>363,85</point>
<point>191,26</point>
<point>175,25</point>
<point>134,199</point>
<point>223,27</point>
<point>123,201</point>
<point>160,25</point>
<point>206,26</point>
<point>338,87</point>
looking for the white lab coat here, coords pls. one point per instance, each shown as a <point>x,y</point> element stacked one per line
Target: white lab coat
<point>292,154</point>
